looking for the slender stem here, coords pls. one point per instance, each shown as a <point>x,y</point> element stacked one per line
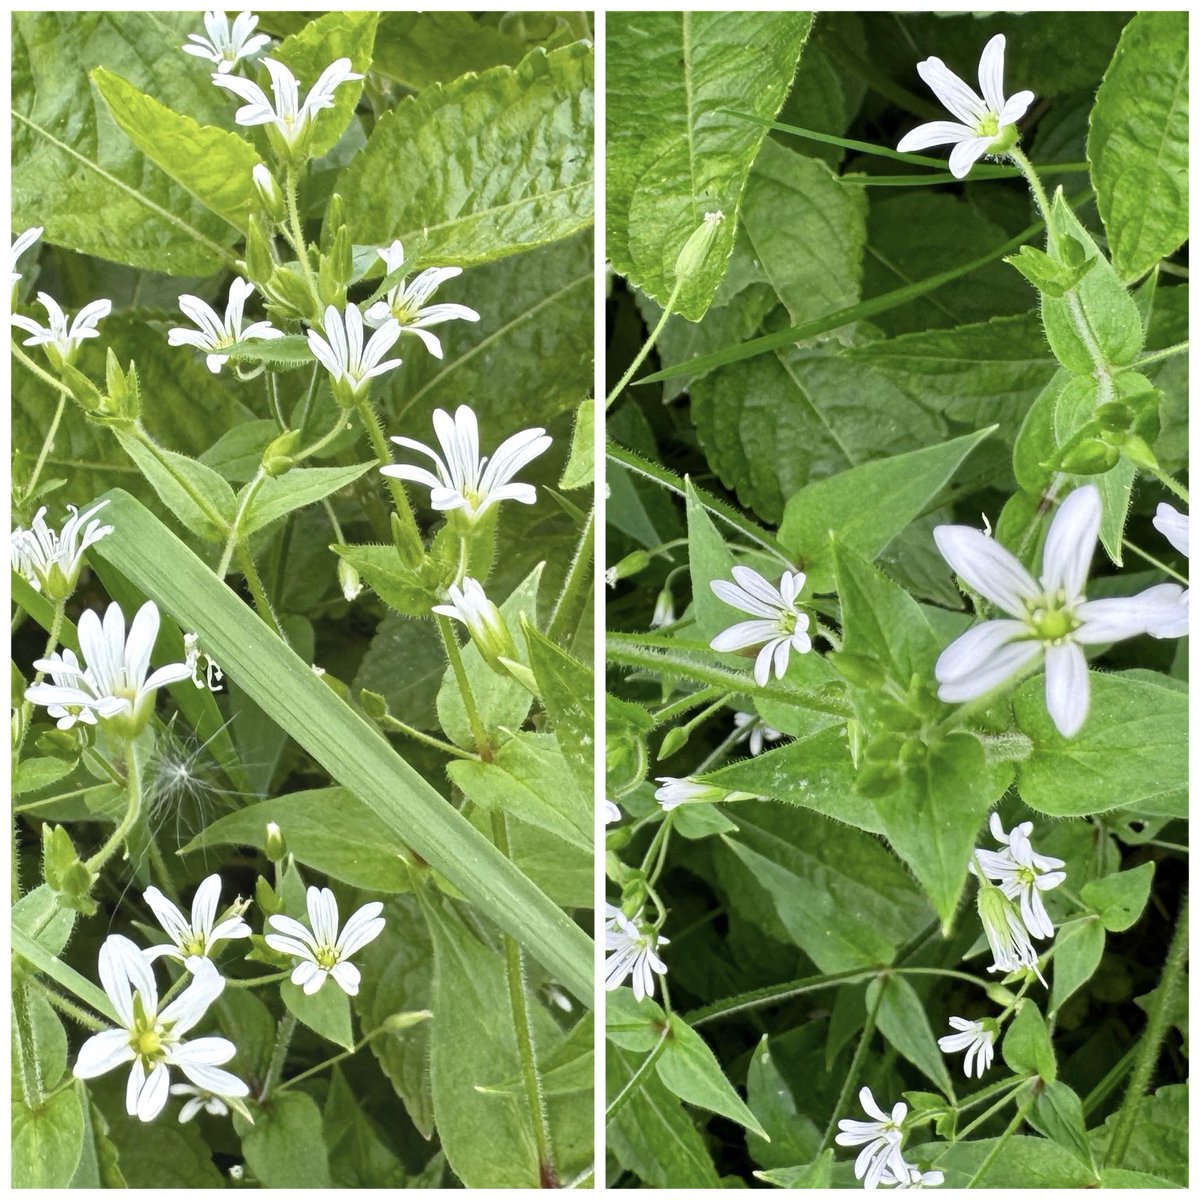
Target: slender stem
<point>523,1025</point>
<point>719,753</point>
<point>47,443</point>
<point>332,1061</point>
<point>1154,562</point>
<point>56,624</point>
<point>640,357</point>
<point>262,602</point>
<point>231,542</point>
<point>1158,355</point>
<point>990,1158</point>
<point>379,444</point>
<point>390,722</point>
<point>454,655</point>
<point>1151,1040</point>
<point>860,1052</point>
<point>258,980</point>
<point>324,439</point>
<point>297,235</point>
<point>39,371</point>
<point>273,400</point>
<point>70,1009</point>
<point>1172,485</point>
<point>133,781</point>
<point>1035,185</point>
<point>575,593</point>
<point>25,1045</point>
<point>1009,1087</point>
<point>670,711</point>
<point>636,1078</point>
<point>283,1040</point>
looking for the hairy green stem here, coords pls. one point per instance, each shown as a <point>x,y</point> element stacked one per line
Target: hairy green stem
<point>25,1046</point>
<point>47,443</point>
<point>569,608</point>
<point>454,656</point>
<point>55,632</point>
<point>1158,355</point>
<point>636,1078</point>
<point>1154,562</point>
<point>677,708</point>
<point>262,602</point>
<point>69,1008</point>
<point>383,455</point>
<point>296,232</point>
<point>390,722</point>
<point>234,538</point>
<point>365,1040</point>
<point>133,783</point>
<point>848,1084</point>
<point>994,1152</point>
<point>283,1040</point>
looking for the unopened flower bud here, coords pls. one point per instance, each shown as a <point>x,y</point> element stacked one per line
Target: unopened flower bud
<point>695,249</point>
<point>349,580</point>
<point>631,564</point>
<point>276,846</point>
<point>277,457</point>
<point>674,741</point>
<point>470,605</point>
<point>268,192</point>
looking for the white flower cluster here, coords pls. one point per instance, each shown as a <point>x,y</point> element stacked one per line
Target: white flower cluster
<point>880,1162</point>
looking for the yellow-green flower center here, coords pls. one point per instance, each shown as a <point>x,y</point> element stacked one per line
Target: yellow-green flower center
<point>146,1042</point>
<point>326,956</point>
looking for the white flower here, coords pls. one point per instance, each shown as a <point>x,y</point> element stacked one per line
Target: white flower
<point>1006,934</point>
<point>988,122</point>
<point>1021,874</point>
<point>611,812</point>
<point>406,302</point>
<point>1053,617</point>
<point>196,938</point>
<point>470,605</point>
<point>69,676</point>
<point>324,952</point>
<point>908,1176</point>
<point>201,1100</point>
<point>287,118</point>
<point>880,1139</point>
<point>112,679</point>
<point>51,561</point>
<point>342,353</point>
<point>62,342</point>
<point>778,622</point>
<point>758,733</point>
<point>977,1038</point>
<point>664,610</point>
<point>152,1041</point>
<point>203,667</point>
<point>21,243</point>
<point>631,952</point>
<point>464,481</point>
<point>1173,525</point>
<point>226,44</point>
<point>215,335</point>
<point>675,792</point>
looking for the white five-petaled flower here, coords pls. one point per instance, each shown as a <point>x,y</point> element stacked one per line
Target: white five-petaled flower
<point>112,680</point>
<point>226,43</point>
<point>62,341</point>
<point>977,1038</point>
<point>779,626</point>
<point>286,118</point>
<point>1052,618</point>
<point>483,620</point>
<point>203,667</point>
<point>324,952</point>
<point>632,953</point>
<point>196,938</point>
<point>351,363</point>
<point>611,812</point>
<point>1007,937</point>
<point>908,1176</point>
<point>756,731</point>
<point>1173,525</point>
<point>465,482</point>
<point>152,1041</point>
<point>1021,874</point>
<point>69,676</point>
<point>215,334</point>
<point>406,302</point>
<point>200,1100</point>
<point>880,1139</point>
<point>51,561</point>
<point>21,243</point>
<point>986,124</point>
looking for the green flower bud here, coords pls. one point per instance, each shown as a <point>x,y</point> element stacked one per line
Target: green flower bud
<point>269,193</point>
<point>695,250</point>
<point>276,845</point>
<point>349,580</point>
<point>277,459</point>
<point>631,564</point>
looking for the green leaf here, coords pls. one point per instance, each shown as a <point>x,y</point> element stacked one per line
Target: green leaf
<point>286,493</point>
<point>674,149</point>
<point>417,49</point>
<point>1077,952</point>
<point>311,49</point>
<point>213,165</point>
<point>807,230</point>
<point>520,174</point>
<point>690,1069</point>
<point>286,689</point>
<point>902,1020</point>
<point>566,686</point>
<point>288,351</point>
<point>1138,143</point>
<point>358,1155</point>
<point>709,558</point>
<point>76,174</point>
<point>47,1143</point>
<point>1119,899</point>
<point>486,1135</point>
<point>285,1147</point>
<point>328,829</point>
<point>1026,1047</point>
<point>1013,1162</point>
<point>326,1012</point>
<point>1159,1145</point>
<point>1113,326</point>
<point>815,1174</point>
<point>1130,754</point>
<point>1057,1113</point>
<point>33,774</point>
<point>398,586</point>
<point>794,1135</point>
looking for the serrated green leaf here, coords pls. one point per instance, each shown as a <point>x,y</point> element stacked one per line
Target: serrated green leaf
<point>674,150</point>
<point>1159,1145</point>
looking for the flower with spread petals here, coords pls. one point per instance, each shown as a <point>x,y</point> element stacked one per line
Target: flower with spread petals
<point>986,124</point>
<point>289,122</point>
<point>62,341</point>
<point>68,675</point>
<point>470,605</point>
<point>1021,874</point>
<point>977,1038</point>
<point>351,363</point>
<point>407,302</point>
<point>152,1041</point>
<point>908,1176</point>
<point>21,243</point>
<point>324,952</point>
<point>114,679</point>
<point>880,1138</point>
<point>779,626</point>
<point>465,482</point>
<point>673,792</point>
<point>1052,619</point>
<point>195,938</point>
<point>51,561</point>
<point>1173,525</point>
<point>1006,934</point>
<point>215,334</point>
<point>226,43</point>
<point>632,953</point>
<point>756,731</point>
